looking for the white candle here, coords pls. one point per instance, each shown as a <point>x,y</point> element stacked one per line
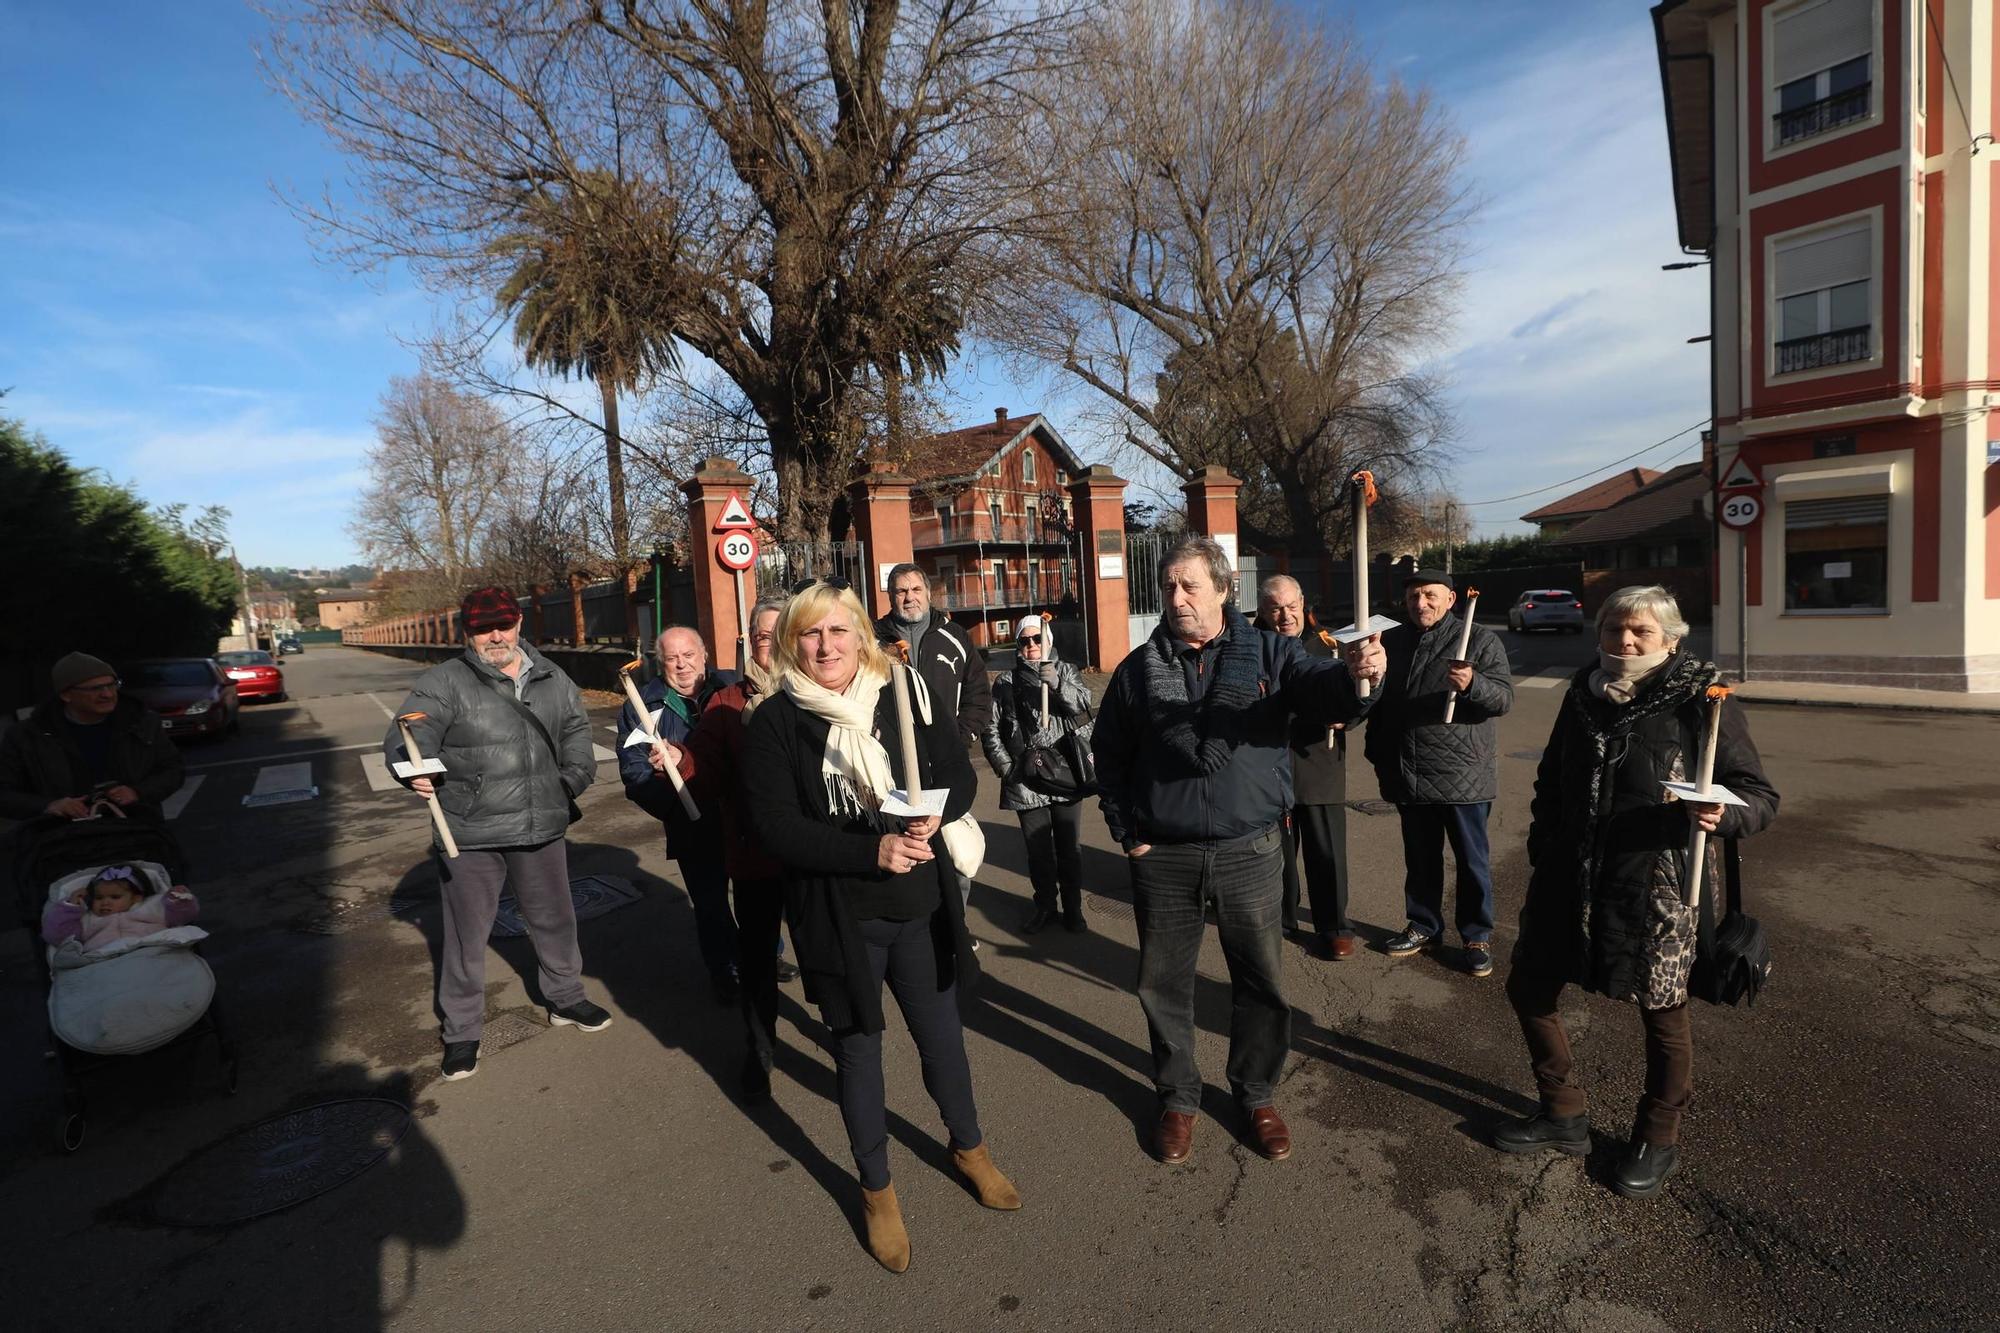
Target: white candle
<point>415,756</point>
<point>906,729</point>
<point>646,725</point>
<point>1705,779</point>
<point>1464,642</point>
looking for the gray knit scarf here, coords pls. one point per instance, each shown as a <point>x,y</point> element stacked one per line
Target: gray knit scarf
<point>1203,738</point>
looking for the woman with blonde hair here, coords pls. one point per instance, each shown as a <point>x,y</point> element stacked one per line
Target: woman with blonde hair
<point>863,889</point>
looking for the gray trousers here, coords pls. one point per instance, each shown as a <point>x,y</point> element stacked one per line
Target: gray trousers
<point>471,887</point>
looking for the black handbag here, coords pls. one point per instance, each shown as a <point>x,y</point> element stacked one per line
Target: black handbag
<point>1732,959</point>
<point>1065,770</point>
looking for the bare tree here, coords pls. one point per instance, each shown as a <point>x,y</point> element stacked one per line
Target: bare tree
<point>823,180</point>
<point>1261,242</point>
<point>441,463</point>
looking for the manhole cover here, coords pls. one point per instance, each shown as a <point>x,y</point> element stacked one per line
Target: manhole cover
<point>1372,807</point>
<point>509,1029</point>
<point>594,895</point>
<point>279,1162</point>
<point>1111,907</point>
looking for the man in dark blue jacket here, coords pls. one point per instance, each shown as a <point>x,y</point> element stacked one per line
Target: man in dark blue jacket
<point>678,696</point>
<point>1194,765</point>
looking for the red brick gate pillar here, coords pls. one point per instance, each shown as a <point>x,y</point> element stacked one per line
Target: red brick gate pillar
<point>1211,507</point>
<point>880,503</point>
<point>1097,506</point>
<point>715,587</point>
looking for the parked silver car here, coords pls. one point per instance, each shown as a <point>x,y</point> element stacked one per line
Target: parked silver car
<point>1546,608</point>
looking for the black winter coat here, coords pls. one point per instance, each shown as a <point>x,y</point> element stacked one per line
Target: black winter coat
<point>1150,794</point>
<point>954,672</point>
<point>1319,769</point>
<point>1417,758</point>
<point>824,854</point>
<point>1606,896</point>
<point>39,763</point>
<point>502,786</point>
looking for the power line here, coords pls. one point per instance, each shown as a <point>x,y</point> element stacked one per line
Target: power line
<point>1506,499</point>
<point>1951,78</point>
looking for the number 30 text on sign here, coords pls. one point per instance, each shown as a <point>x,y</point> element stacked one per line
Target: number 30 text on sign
<point>736,550</point>
<point>1741,511</point>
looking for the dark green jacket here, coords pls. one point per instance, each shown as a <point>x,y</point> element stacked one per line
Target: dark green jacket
<point>502,786</point>
<point>39,762</point>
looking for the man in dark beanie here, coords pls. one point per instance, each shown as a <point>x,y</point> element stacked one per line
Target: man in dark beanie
<point>86,744</point>
<point>515,742</point>
<point>1442,777</point>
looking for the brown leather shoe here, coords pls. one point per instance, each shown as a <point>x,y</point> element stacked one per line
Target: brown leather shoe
<point>1340,946</point>
<point>1173,1139</point>
<point>1273,1139</point>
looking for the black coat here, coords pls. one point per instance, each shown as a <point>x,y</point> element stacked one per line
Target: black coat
<point>954,672</point>
<point>1417,758</point>
<point>39,762</point>
<point>1609,852</point>
<point>825,855</point>
<point>1149,794</point>
<point>1319,769</point>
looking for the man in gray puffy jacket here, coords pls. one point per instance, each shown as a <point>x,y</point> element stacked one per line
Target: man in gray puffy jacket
<point>511,731</point>
<point>1442,777</point>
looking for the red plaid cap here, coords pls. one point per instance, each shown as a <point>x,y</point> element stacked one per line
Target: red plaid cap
<point>488,608</point>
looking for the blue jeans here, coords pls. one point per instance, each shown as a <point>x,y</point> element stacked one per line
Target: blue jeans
<point>1426,829</point>
<point>1245,881</point>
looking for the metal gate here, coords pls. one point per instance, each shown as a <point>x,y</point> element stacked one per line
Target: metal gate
<point>1142,581</point>
<point>781,566</point>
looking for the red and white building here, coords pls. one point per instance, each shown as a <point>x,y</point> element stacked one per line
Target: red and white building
<point>988,518</point>
<point>1835,159</point>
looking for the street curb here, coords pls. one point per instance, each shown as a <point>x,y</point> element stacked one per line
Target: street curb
<point>1936,710</point>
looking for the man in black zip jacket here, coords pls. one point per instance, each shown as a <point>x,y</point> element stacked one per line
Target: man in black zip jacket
<point>1441,777</point>
<point>1194,766</point>
<point>952,668</point>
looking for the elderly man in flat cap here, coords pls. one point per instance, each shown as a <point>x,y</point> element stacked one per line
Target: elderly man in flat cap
<point>85,745</point>
<point>510,728</point>
<point>1442,777</point>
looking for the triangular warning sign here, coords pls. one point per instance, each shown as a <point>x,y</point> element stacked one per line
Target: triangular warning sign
<point>1739,475</point>
<point>734,515</point>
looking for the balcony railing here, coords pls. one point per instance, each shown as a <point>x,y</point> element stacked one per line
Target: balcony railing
<point>968,592</point>
<point>928,534</point>
<point>1823,349</point>
<point>1829,113</point>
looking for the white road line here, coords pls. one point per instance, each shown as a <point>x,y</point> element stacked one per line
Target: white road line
<point>282,777</point>
<point>604,756</point>
<point>376,767</point>
<point>386,710</point>
<point>295,754</point>
<point>178,801</point>
<point>1546,680</point>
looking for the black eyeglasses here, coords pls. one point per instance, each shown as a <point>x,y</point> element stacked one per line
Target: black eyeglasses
<point>838,585</point>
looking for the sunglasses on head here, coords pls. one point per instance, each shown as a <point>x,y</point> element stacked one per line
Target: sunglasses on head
<point>838,585</point>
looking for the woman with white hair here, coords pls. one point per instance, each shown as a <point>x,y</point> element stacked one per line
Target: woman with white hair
<point>863,890</point>
<point>1041,705</point>
<point>1607,893</point>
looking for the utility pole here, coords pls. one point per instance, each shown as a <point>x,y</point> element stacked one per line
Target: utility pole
<point>1449,534</point>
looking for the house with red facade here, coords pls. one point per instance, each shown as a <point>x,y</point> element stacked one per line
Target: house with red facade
<point>989,520</point>
<point>1559,516</point>
<point>1835,162</point>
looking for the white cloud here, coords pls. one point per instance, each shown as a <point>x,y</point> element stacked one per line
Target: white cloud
<point>250,441</point>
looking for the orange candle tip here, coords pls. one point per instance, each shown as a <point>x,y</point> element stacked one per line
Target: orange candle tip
<point>1471,593</point>
<point>1718,692</point>
<point>632,665</point>
<point>899,650</point>
<point>1366,480</point>
<point>1326,638</point>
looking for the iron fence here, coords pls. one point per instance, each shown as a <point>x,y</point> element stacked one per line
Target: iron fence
<point>781,566</point>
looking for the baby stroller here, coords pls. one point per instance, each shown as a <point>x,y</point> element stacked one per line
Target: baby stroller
<point>140,1000</point>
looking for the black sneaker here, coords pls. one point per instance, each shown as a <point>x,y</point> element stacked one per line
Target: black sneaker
<point>461,1060</point>
<point>1542,1131</point>
<point>1411,942</point>
<point>787,971</point>
<point>583,1014</point>
<point>1479,957</point>
<point>1644,1169</point>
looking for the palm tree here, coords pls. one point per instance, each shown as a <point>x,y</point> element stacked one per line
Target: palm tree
<point>589,295</point>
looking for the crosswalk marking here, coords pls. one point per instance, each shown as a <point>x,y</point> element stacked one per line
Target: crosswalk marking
<point>602,755</point>
<point>178,801</point>
<point>375,766</point>
<point>1546,680</point>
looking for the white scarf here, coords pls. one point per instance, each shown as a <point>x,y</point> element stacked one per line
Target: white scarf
<point>1617,679</point>
<point>855,761</point>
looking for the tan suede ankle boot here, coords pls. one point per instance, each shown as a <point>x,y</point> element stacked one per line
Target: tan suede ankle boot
<point>994,1189</point>
<point>887,1239</point>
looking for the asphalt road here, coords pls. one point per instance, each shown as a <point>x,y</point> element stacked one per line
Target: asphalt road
<point>1838,1156</point>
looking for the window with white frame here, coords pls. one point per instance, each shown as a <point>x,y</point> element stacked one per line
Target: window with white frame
<point>1822,58</point>
<point>1824,309</point>
<point>1028,466</point>
<point>1837,555</point>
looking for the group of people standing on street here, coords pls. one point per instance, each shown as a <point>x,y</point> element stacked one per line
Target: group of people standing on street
<point>1216,755</point>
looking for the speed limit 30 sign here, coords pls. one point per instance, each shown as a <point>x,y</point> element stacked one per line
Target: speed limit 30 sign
<point>736,550</point>
<point>1740,510</point>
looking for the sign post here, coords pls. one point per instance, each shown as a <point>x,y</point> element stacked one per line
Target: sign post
<point>1739,504</point>
<point>737,551</point>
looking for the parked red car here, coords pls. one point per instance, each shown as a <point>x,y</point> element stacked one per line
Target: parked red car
<point>256,674</point>
<point>192,694</point>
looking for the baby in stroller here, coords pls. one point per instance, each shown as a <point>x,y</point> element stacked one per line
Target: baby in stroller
<point>119,903</point>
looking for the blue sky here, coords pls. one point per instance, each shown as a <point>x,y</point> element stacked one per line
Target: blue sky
<point>169,322</point>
